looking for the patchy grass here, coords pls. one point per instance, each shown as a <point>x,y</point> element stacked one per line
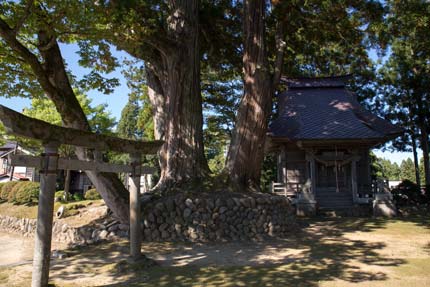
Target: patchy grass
<point>328,252</point>
<point>11,278</point>
<point>19,211</point>
<point>30,211</point>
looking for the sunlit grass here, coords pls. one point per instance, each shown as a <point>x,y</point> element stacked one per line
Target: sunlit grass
<point>30,211</point>
<point>336,252</point>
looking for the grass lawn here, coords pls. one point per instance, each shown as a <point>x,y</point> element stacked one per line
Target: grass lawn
<point>30,211</point>
<point>327,252</point>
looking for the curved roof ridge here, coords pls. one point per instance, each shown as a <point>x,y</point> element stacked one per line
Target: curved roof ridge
<point>316,82</point>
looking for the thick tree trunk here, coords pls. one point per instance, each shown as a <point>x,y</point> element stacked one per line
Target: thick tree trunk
<point>158,102</point>
<point>416,161</point>
<point>246,152</point>
<point>61,93</point>
<point>424,138</point>
<point>425,147</point>
<point>173,78</point>
<point>183,152</point>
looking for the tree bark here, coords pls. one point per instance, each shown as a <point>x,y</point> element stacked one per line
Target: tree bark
<point>425,147</point>
<point>173,78</point>
<point>183,152</point>
<point>158,102</point>
<point>416,160</point>
<point>67,185</point>
<point>424,138</point>
<point>246,152</point>
<point>108,185</point>
<point>51,75</point>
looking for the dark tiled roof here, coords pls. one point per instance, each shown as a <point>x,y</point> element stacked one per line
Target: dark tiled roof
<point>327,113</point>
<point>7,147</point>
<point>321,82</point>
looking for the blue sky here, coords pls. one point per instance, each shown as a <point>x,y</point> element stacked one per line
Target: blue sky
<point>117,100</point>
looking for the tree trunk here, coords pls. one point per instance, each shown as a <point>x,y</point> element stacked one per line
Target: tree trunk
<point>416,161</point>
<point>183,152</point>
<point>59,90</point>
<point>158,102</point>
<point>67,185</point>
<point>425,148</point>
<point>424,139</point>
<point>172,63</point>
<point>246,152</point>
<point>157,99</point>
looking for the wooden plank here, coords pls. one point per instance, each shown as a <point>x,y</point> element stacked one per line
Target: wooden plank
<point>24,126</point>
<point>74,164</point>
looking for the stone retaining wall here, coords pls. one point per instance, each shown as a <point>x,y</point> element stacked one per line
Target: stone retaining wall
<point>193,217</point>
<point>215,216</point>
<point>62,232</point>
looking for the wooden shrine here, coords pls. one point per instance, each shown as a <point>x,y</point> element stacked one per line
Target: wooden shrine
<point>322,139</point>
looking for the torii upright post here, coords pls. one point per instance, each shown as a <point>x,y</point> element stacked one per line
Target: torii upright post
<point>45,210</point>
<point>135,217</point>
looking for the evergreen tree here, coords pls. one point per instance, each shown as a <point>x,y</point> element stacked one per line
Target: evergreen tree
<point>127,125</point>
<point>404,77</point>
<point>407,169</point>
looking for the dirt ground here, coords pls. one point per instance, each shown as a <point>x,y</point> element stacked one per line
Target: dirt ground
<point>15,249</point>
<point>328,252</point>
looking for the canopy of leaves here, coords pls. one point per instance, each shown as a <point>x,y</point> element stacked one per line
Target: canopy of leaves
<point>99,118</point>
<point>404,77</point>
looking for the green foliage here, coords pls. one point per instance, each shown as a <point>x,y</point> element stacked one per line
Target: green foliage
<point>136,117</point>
<point>127,125</point>
<point>403,79</point>
<point>269,172</point>
<point>407,169</point>
<point>408,193</point>
<point>99,118</point>
<point>68,19</point>
<point>59,195</point>
<point>384,168</point>
<point>27,192</point>
<point>92,194</point>
<point>7,189</point>
<point>77,196</point>
<point>1,186</point>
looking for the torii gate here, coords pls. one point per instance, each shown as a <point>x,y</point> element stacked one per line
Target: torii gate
<point>48,164</point>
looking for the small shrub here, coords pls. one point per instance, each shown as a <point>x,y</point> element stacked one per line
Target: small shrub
<point>92,194</point>
<point>26,192</point>
<point>1,187</point>
<point>408,193</point>
<point>7,189</point>
<point>59,196</point>
<point>77,197</point>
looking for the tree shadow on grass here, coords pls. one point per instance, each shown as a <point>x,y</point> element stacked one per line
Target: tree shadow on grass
<point>319,252</point>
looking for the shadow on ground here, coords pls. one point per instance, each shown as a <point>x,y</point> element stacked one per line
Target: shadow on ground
<point>319,251</point>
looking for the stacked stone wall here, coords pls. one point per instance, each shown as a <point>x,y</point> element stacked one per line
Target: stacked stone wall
<point>220,216</point>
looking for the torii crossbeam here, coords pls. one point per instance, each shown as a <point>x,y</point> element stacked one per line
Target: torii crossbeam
<point>52,136</point>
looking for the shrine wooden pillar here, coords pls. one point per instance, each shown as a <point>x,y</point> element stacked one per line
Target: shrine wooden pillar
<point>45,210</point>
<point>135,210</point>
<point>282,165</point>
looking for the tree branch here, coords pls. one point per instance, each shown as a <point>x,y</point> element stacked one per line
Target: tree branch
<point>27,13</point>
<point>9,36</point>
<point>280,50</point>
